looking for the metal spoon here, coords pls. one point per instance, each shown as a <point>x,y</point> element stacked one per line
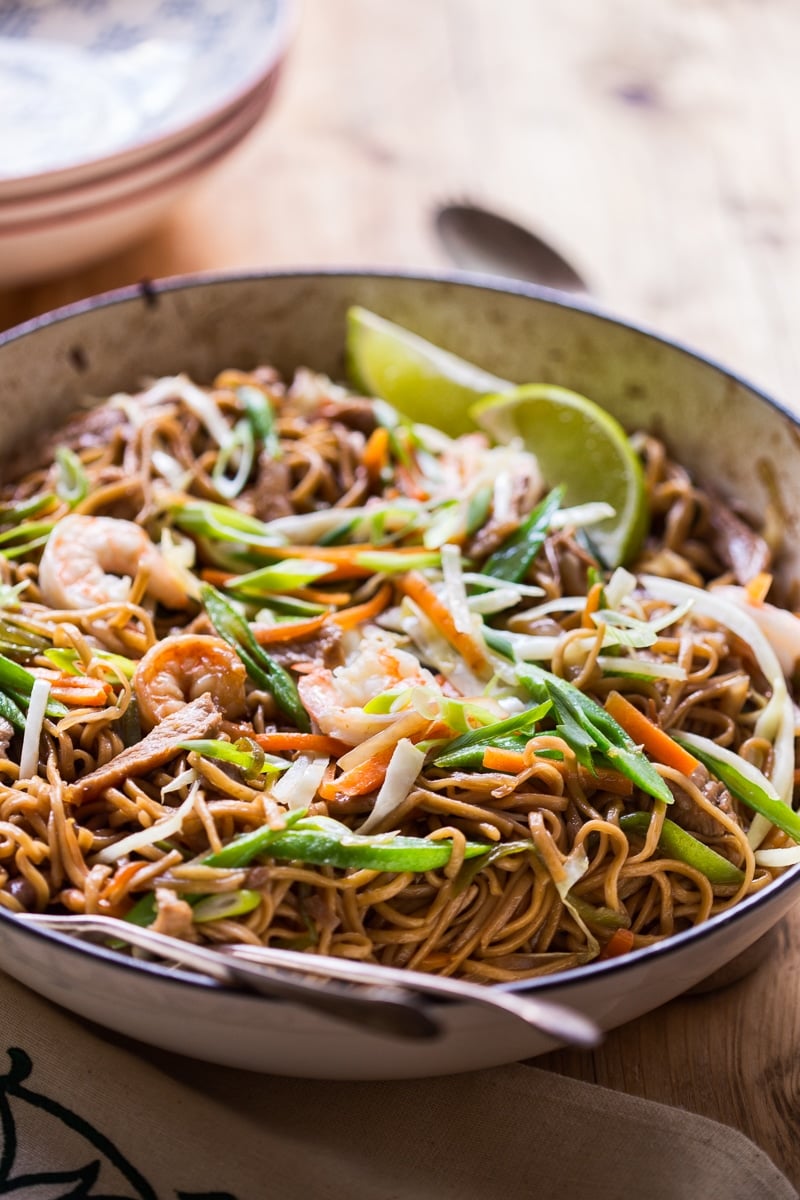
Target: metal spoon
<point>548,1017</point>
<point>480,240</point>
<point>385,1009</point>
<point>384,998</point>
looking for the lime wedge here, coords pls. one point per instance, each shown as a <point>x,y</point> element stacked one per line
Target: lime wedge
<point>578,444</point>
<point>422,381</point>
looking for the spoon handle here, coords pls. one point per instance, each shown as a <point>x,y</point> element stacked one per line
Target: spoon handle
<point>557,1020</point>
<point>386,1009</point>
<point>387,999</point>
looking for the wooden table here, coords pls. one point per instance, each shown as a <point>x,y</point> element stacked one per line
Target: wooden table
<point>655,144</point>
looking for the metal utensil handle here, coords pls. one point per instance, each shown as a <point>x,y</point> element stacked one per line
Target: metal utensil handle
<point>390,1010</point>
<point>556,1020</point>
<point>392,1002</point>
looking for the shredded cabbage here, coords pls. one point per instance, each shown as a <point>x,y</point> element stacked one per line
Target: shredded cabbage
<point>455,591</point>
<point>576,864</point>
<point>298,786</point>
<point>165,828</point>
<point>29,758</point>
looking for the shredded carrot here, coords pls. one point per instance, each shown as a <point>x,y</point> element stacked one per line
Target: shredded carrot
<point>365,777</point>
<point>420,591</point>
<point>514,762</point>
<point>375,455</point>
<point>658,744</point>
<point>81,690</point>
<point>409,485</point>
<point>620,942</point>
<point>217,578</point>
<point>336,555</point>
<point>119,880</point>
<point>510,762</point>
<point>287,631</point>
<point>758,587</point>
<point>349,618</point>
<point>319,596</point>
<point>311,743</point>
<point>592,605</point>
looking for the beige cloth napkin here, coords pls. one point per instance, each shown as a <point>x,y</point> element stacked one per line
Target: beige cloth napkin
<point>84,1114</point>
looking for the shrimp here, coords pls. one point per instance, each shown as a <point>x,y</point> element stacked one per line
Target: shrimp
<point>179,669</point>
<point>335,699</point>
<point>90,561</point>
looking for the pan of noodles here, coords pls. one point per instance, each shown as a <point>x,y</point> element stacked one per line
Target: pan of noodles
<point>427,625</point>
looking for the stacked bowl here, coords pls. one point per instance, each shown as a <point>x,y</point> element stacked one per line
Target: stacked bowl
<point>113,108</point>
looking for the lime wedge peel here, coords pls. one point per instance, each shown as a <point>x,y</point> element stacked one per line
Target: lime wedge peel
<point>423,382</point>
<point>575,441</point>
<point>579,444</point>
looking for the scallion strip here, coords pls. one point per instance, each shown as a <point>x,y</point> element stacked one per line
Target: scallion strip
<point>18,683</point>
<point>283,576</point>
<point>239,450</point>
<point>222,906</point>
<point>202,518</point>
<point>14,513</point>
<point>72,482</point>
<point>513,559</point>
<point>245,754</point>
<point>258,411</point>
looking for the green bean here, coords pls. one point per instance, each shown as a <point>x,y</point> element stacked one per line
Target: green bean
<point>12,712</point>
<point>262,669</point>
<point>322,841</point>
<point>457,752</point>
<point>595,737</point>
<point>681,845</point>
<point>747,790</point>
<point>325,842</point>
<point>470,758</point>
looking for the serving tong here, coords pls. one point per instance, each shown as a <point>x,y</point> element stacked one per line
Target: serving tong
<point>387,999</point>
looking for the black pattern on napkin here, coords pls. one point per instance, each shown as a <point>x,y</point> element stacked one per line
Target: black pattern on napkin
<point>93,1155</point>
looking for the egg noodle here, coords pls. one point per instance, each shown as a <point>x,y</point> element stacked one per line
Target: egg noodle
<point>281,668</point>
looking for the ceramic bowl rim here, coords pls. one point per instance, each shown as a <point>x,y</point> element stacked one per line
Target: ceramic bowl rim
<point>128,178</point>
<point>146,291</point>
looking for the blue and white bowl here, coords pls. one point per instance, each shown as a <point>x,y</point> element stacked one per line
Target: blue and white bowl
<point>90,87</point>
<point>111,109</point>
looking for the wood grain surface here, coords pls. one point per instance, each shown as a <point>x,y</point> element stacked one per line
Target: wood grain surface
<point>657,146</point>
